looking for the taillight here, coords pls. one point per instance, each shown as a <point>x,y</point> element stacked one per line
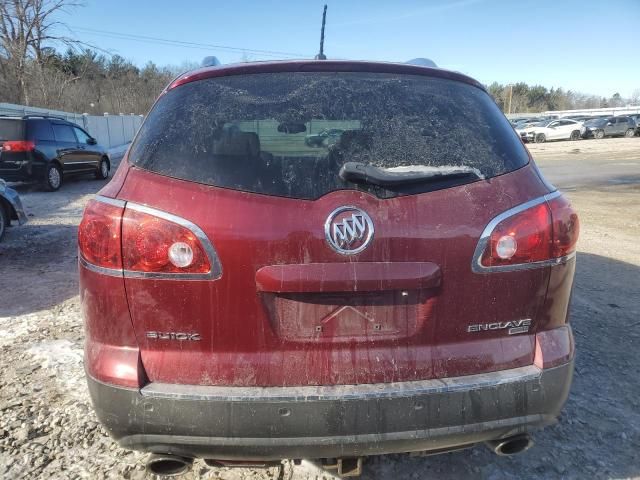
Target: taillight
<point>139,241</point>
<point>541,232</point>
<point>522,238</point>
<point>99,234</point>
<point>566,227</point>
<point>18,146</point>
<point>154,244</point>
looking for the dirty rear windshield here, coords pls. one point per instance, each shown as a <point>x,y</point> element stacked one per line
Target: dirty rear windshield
<point>289,134</point>
<point>11,129</point>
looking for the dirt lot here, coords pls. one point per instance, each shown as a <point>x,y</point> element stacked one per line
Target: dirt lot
<point>48,430</point>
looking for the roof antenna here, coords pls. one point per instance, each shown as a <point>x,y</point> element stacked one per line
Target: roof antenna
<point>321,55</point>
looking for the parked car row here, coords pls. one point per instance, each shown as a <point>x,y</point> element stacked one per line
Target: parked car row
<point>576,128</point>
<point>43,149</point>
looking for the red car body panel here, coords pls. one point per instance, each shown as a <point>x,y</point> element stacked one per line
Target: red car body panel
<point>247,340</point>
<point>111,351</point>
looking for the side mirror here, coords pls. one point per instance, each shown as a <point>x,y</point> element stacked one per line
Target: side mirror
<point>91,141</point>
<point>609,124</point>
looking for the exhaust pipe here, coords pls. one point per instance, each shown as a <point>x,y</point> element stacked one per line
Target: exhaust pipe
<point>511,445</point>
<point>168,465</point>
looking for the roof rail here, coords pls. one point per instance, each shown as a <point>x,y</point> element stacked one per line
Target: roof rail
<point>57,117</point>
<point>24,117</point>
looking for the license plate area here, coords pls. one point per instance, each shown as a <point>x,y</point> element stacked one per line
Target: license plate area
<point>349,316</point>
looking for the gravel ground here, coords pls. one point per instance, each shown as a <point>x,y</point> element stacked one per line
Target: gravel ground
<point>48,429</point>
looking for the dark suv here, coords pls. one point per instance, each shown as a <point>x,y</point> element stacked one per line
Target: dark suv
<point>248,297</point>
<point>45,149</point>
<point>609,127</point>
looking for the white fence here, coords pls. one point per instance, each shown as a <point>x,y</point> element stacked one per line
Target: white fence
<point>109,130</point>
<point>613,111</point>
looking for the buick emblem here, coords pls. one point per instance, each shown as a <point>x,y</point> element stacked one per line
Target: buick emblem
<point>348,230</point>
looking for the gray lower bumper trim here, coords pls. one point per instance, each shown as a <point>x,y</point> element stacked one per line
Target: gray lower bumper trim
<point>312,422</point>
<point>340,392</point>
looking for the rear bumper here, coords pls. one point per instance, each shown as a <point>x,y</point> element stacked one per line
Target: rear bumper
<point>14,175</point>
<point>237,423</point>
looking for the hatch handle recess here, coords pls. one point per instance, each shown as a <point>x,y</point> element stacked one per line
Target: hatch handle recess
<point>348,277</point>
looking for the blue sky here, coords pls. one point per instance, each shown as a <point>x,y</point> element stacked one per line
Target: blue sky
<point>583,45</point>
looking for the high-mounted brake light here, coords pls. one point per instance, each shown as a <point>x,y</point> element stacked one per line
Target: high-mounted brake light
<point>538,233</point>
<point>18,146</point>
<point>139,241</point>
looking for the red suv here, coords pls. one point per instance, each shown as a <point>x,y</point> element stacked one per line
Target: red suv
<point>250,297</point>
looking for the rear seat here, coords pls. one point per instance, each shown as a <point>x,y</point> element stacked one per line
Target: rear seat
<point>237,157</point>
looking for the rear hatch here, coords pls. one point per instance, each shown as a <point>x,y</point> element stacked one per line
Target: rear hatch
<point>344,209</point>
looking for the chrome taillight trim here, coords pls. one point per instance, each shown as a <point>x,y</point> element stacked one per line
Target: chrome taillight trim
<point>111,201</point>
<point>476,265</point>
<point>216,268</point>
<point>111,272</point>
<point>212,255</point>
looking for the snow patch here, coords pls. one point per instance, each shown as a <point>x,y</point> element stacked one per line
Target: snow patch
<point>65,359</point>
<point>15,327</point>
<point>56,353</point>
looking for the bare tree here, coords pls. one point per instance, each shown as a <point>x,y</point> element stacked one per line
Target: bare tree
<point>27,27</point>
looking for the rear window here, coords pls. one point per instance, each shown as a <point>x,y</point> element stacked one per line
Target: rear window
<point>288,134</point>
<point>11,129</point>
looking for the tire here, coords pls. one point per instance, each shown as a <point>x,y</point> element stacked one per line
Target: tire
<point>599,134</point>
<point>4,220</point>
<point>540,138</point>
<point>53,178</point>
<point>103,169</point>
<point>630,133</point>
<point>575,135</point>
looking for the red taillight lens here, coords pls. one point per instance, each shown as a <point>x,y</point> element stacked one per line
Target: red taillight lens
<point>566,227</point>
<point>542,232</point>
<point>18,146</point>
<point>530,232</point>
<point>154,244</point>
<point>99,234</point>
<point>138,240</point>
